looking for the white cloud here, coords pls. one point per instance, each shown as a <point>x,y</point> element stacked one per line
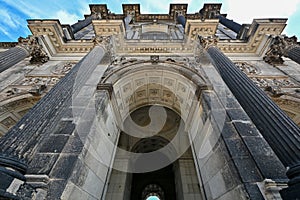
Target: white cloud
<point>5,32</point>
<point>9,19</point>
<point>32,10</point>
<point>65,17</point>
<point>84,8</point>
<point>245,11</point>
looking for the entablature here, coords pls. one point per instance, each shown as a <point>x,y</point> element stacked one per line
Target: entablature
<point>254,43</point>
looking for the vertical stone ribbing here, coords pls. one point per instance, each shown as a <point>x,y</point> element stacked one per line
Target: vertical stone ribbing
<point>17,146</point>
<point>294,53</point>
<point>11,57</point>
<point>278,129</point>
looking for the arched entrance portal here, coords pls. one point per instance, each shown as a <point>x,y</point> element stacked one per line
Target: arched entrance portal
<point>154,111</point>
<point>168,182</point>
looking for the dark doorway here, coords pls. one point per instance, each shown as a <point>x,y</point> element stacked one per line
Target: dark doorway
<point>163,179</point>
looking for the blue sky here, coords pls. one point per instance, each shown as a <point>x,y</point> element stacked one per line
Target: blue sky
<point>14,13</point>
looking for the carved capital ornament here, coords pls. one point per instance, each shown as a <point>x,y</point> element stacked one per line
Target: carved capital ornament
<point>207,42</point>
<point>280,47</point>
<point>38,55</point>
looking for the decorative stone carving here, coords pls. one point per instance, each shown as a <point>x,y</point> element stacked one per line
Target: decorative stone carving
<point>38,55</point>
<point>279,48</point>
<point>266,82</point>
<point>40,81</point>
<point>8,45</point>
<point>102,41</point>
<point>207,42</point>
<point>154,59</point>
<point>61,70</point>
<point>210,11</point>
<point>246,68</point>
<point>273,85</point>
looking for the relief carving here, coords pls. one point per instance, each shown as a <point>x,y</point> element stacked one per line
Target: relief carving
<point>246,68</point>
<point>64,69</point>
<point>273,85</point>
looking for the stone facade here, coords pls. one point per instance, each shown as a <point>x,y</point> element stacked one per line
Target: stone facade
<point>132,105</point>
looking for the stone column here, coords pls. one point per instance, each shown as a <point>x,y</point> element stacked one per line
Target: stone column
<point>230,24</point>
<point>26,47</point>
<point>181,20</point>
<point>283,46</point>
<point>294,53</point>
<point>18,145</point>
<point>277,128</point>
<point>12,56</point>
<point>82,23</point>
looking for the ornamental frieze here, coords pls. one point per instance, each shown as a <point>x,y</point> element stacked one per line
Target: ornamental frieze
<point>265,82</point>
<point>247,68</point>
<point>52,30</point>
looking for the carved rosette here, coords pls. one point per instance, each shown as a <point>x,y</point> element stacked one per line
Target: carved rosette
<point>280,47</point>
<point>38,55</point>
<point>209,41</point>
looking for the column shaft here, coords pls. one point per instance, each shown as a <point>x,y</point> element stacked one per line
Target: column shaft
<point>294,53</point>
<point>181,20</point>
<point>278,129</point>
<point>81,24</point>
<point>12,57</point>
<point>230,24</point>
<point>17,146</point>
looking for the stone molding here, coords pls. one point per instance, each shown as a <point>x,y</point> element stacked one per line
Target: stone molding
<point>52,29</point>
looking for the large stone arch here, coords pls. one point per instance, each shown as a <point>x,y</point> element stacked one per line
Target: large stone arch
<point>13,109</point>
<point>167,83</point>
<point>138,85</point>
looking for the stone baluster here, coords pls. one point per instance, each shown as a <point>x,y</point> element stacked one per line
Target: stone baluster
<point>277,128</point>
<point>17,146</point>
<point>283,46</point>
<point>12,56</point>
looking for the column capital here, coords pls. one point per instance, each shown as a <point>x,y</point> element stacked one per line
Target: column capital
<point>280,47</point>
<point>38,55</point>
<point>103,41</point>
<point>209,41</point>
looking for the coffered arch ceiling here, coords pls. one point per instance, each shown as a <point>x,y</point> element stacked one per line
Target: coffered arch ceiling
<point>167,84</point>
